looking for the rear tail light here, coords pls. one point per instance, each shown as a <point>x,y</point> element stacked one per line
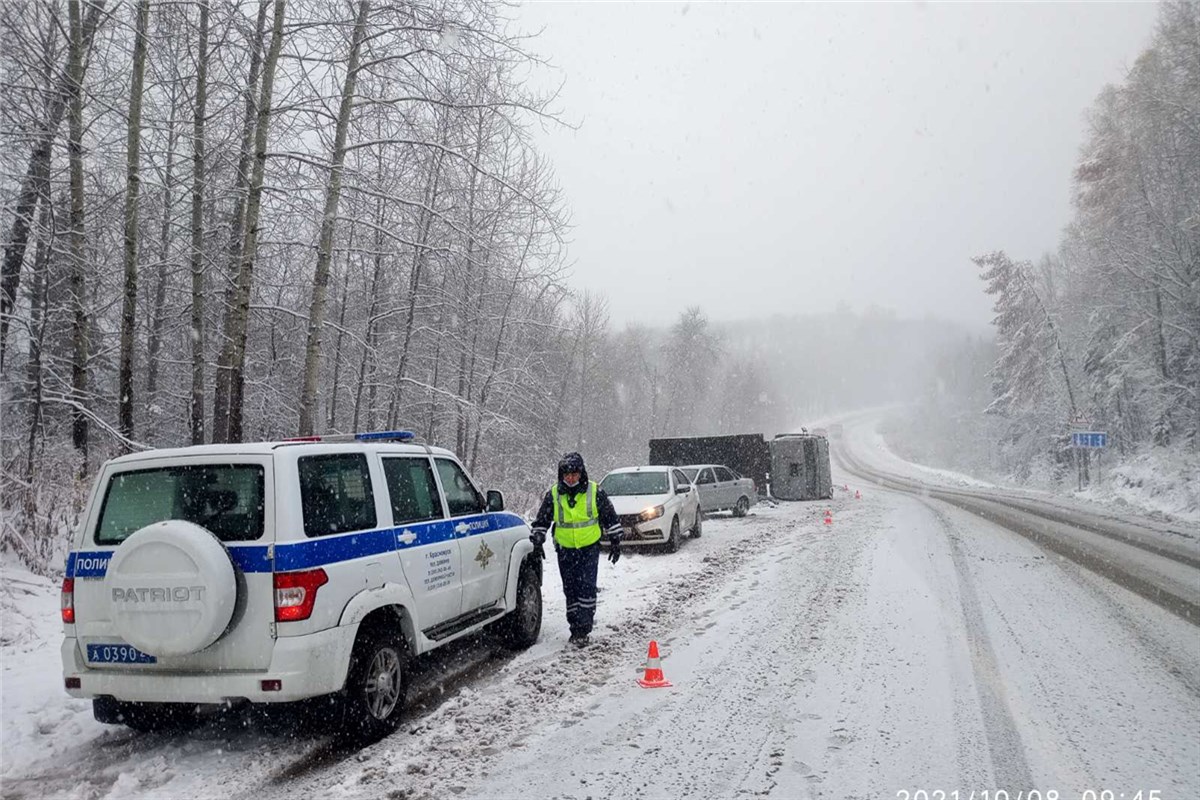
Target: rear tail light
<point>68,601</point>
<point>296,592</point>
<point>73,683</point>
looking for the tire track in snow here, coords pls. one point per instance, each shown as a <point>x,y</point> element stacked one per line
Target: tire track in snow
<point>1059,533</point>
<point>740,732</point>
<point>1175,663</point>
<point>744,682</point>
<point>447,749</point>
<point>1010,768</point>
<point>1087,668</point>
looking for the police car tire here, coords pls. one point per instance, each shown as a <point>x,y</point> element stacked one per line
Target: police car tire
<point>190,570</point>
<point>742,508</point>
<point>358,719</point>
<point>673,538</point>
<point>516,630</point>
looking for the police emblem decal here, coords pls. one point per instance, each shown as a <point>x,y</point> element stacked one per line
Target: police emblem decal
<point>484,555</point>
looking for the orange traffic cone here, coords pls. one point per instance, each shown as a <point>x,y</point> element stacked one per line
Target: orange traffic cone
<point>654,675</point>
<point>857,494</point>
<point>828,517</point>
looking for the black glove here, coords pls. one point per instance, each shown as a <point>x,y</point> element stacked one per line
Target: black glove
<point>538,537</point>
<point>614,547</point>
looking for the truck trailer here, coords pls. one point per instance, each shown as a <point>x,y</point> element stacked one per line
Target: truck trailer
<point>745,453</point>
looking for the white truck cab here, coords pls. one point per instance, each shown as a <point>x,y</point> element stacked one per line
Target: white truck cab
<point>280,571</point>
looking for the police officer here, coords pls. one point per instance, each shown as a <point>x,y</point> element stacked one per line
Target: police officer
<point>580,510</point>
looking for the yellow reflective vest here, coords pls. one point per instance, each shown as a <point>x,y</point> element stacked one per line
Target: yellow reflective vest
<point>579,525</point>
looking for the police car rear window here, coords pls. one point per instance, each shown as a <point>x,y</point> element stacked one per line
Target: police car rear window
<point>412,490</point>
<point>227,499</point>
<point>335,492</point>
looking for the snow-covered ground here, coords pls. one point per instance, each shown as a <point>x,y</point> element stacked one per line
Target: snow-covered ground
<point>1158,482</point>
<point>51,744</point>
<point>907,646</point>
<point>861,434</point>
<point>862,438</point>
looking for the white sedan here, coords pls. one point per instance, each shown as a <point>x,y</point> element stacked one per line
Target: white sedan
<point>721,488</point>
<point>655,505</point>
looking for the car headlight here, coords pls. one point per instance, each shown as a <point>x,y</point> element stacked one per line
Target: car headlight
<point>653,512</point>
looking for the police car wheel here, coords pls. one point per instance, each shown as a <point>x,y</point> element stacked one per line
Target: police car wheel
<point>377,684</point>
<point>742,508</point>
<point>673,540</point>
<point>520,629</point>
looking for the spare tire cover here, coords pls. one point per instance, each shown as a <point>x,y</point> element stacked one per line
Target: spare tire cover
<point>172,589</point>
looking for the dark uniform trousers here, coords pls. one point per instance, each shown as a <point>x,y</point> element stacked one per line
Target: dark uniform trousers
<point>578,569</point>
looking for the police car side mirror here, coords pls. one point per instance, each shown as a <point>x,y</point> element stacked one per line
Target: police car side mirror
<point>682,489</point>
<point>495,500</point>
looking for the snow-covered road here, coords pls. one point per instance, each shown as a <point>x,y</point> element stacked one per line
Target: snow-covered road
<point>906,647</point>
<point>909,645</point>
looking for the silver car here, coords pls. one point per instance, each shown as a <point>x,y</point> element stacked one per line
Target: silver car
<point>721,489</point>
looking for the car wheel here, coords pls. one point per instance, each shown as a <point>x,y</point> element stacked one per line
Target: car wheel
<point>520,629</point>
<point>673,540</point>
<point>742,508</point>
<point>376,685</point>
<point>696,529</point>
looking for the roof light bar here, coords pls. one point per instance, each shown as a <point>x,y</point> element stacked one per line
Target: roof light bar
<point>367,436</point>
<point>372,436</point>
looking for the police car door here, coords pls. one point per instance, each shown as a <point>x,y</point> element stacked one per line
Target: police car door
<point>428,549</point>
<point>484,554</point>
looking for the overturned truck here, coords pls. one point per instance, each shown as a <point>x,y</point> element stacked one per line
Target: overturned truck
<point>800,467</point>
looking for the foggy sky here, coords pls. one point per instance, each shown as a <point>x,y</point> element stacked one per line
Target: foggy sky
<point>756,159</point>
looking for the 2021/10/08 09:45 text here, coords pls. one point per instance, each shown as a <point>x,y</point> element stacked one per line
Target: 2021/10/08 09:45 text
<point>1031,794</point>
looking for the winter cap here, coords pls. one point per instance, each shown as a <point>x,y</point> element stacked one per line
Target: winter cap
<point>572,462</point>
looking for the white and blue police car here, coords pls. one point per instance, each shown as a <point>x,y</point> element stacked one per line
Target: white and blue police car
<point>280,571</point>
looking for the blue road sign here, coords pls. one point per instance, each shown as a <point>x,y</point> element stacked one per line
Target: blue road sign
<point>1090,440</point>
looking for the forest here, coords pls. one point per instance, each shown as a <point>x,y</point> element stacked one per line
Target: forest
<point>250,220</point>
<point>1103,333</point>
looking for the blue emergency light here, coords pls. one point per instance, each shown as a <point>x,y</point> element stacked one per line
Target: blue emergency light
<point>366,436</point>
<point>391,436</point>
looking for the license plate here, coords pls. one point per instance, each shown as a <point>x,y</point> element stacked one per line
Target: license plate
<point>117,654</point>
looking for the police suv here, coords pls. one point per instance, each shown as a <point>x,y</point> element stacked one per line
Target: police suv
<point>281,571</point>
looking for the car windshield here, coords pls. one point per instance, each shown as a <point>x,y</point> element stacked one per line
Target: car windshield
<point>691,472</point>
<point>226,499</point>
<point>622,484</point>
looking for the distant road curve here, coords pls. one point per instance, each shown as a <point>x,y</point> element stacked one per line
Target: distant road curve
<point>1146,560</point>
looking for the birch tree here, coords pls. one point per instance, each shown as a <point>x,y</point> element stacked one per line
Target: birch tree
<point>79,330</point>
<point>199,114</point>
<point>132,188</point>
<point>227,399</point>
<point>316,311</point>
<point>35,183</point>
